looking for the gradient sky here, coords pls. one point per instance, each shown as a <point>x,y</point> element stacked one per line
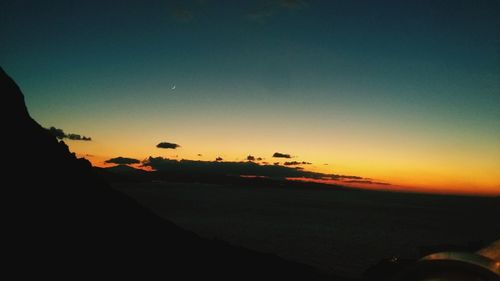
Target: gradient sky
<point>405,92</point>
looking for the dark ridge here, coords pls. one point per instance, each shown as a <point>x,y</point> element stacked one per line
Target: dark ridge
<point>120,174</point>
<point>64,221</point>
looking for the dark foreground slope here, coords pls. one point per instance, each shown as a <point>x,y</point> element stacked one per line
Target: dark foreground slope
<point>63,221</point>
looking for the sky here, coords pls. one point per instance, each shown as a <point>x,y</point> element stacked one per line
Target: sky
<point>401,92</point>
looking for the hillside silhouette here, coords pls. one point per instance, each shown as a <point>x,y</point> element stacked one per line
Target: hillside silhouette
<point>64,221</point>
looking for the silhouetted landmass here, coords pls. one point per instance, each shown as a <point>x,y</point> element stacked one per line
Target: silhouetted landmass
<point>122,173</point>
<point>124,169</point>
<point>66,222</point>
<point>204,174</point>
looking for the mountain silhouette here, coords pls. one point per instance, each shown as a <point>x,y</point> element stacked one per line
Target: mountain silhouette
<point>65,221</point>
<point>124,169</point>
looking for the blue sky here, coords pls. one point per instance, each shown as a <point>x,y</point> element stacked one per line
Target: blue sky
<point>316,77</point>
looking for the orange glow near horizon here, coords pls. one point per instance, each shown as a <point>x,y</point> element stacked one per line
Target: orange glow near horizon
<point>417,179</point>
<point>410,153</point>
<point>402,188</point>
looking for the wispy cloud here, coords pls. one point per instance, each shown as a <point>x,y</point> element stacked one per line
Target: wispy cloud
<point>295,163</point>
<point>78,137</point>
<point>367,182</point>
<point>60,134</point>
<point>342,177</point>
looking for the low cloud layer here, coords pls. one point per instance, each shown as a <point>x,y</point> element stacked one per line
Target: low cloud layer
<point>167,145</point>
<point>342,177</point>
<point>367,182</point>
<point>60,134</point>
<point>123,161</point>
<point>219,168</point>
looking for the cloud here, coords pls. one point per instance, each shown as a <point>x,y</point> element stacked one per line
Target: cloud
<point>78,137</point>
<point>281,155</point>
<point>60,134</point>
<point>253,158</point>
<point>195,168</point>
<point>218,168</point>
<point>295,163</point>
<point>342,177</point>
<point>367,182</point>
<point>199,169</point>
<point>122,161</point>
<point>349,177</point>
<point>167,145</point>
